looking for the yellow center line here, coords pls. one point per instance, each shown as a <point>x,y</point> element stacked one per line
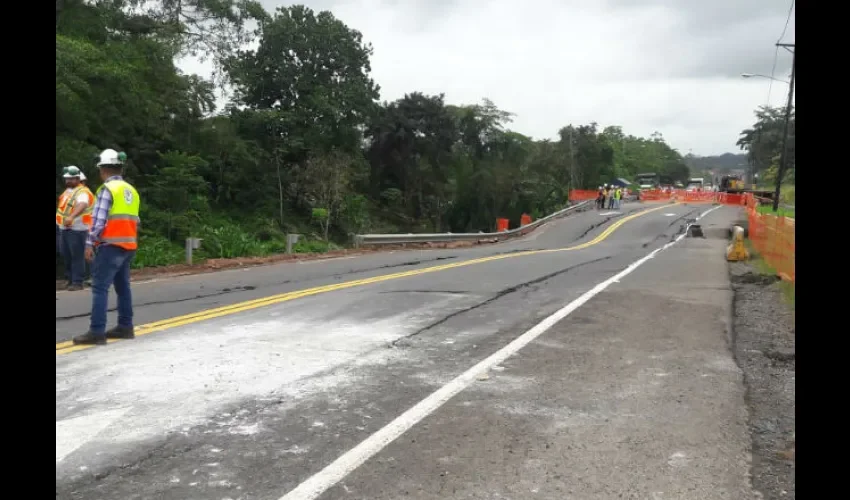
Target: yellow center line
<point>156,326</point>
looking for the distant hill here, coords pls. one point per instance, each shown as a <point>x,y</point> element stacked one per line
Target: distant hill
<point>721,163</point>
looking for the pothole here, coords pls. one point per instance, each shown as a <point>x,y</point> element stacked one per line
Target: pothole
<point>750,278</point>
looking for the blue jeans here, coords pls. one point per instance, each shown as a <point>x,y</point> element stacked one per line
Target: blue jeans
<point>111,267</point>
<point>73,255</point>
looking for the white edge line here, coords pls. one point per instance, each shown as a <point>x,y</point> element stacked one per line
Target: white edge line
<point>337,470</point>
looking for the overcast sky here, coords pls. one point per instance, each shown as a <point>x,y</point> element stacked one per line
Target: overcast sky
<point>668,65</point>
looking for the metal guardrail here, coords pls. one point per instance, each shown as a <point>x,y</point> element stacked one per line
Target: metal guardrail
<point>390,239</point>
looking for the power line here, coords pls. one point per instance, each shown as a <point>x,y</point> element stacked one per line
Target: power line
<point>776,51</point>
<point>772,71</point>
<point>787,20</point>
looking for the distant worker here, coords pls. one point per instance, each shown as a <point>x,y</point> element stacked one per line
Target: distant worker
<point>611,200</point>
<point>600,198</point>
<point>114,235</point>
<point>74,219</point>
<point>618,196</point>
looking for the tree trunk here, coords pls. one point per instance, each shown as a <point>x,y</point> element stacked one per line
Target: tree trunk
<point>280,190</point>
<point>327,224</point>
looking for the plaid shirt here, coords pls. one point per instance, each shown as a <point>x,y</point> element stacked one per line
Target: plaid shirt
<point>100,212</point>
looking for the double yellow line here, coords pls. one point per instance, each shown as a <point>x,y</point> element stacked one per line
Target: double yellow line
<point>157,326</point>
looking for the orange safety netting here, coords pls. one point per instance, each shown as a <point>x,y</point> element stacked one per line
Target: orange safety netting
<point>774,237</point>
<point>582,194</point>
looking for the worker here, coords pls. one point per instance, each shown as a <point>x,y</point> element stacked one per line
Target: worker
<point>600,198</point>
<point>611,200</point>
<point>73,218</point>
<point>112,245</point>
<point>618,195</point>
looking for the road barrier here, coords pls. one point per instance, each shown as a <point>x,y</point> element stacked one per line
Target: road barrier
<point>736,250</point>
<point>394,239</point>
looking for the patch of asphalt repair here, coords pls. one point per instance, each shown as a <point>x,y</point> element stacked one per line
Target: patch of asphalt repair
<point>258,448</point>
<point>235,289</point>
<point>764,347</point>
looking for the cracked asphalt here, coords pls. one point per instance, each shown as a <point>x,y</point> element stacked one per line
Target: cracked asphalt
<point>634,395</point>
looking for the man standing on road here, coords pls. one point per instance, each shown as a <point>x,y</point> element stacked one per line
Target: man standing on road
<point>114,234</point>
<point>618,196</point>
<point>73,218</point>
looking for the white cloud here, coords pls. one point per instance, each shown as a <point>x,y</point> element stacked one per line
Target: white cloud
<point>667,65</point>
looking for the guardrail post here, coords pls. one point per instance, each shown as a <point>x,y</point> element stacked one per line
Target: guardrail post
<point>291,239</point>
<point>192,244</point>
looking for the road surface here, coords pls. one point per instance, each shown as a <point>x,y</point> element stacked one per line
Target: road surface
<point>565,365</point>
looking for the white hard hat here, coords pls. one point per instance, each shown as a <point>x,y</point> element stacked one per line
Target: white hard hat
<point>111,157</point>
<point>71,172</point>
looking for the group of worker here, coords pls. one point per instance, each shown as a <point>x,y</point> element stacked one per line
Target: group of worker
<point>101,229</point>
<point>610,196</point>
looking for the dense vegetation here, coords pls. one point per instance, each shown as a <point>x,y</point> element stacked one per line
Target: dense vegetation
<point>305,145</point>
<point>763,144</point>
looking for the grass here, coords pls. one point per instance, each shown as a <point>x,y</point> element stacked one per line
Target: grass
<point>761,266</point>
<point>782,212</point>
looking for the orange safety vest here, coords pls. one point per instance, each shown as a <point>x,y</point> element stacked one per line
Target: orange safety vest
<point>66,205</point>
<point>122,223</point>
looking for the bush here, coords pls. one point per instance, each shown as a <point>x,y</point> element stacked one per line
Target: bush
<point>157,251</point>
<point>229,241</point>
<point>314,246</point>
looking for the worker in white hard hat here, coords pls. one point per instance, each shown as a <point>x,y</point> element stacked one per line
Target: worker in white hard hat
<point>73,218</point>
<point>114,234</point>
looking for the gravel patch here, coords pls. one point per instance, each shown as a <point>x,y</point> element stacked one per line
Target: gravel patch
<point>765,351</point>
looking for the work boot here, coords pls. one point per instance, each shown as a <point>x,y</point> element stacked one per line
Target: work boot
<point>121,332</point>
<point>90,338</point>
<point>74,288</point>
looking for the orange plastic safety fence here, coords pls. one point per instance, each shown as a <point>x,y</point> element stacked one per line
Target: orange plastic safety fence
<point>655,195</point>
<point>582,194</point>
<point>774,239</point>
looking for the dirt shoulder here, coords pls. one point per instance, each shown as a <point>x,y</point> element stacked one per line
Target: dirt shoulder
<point>764,348</point>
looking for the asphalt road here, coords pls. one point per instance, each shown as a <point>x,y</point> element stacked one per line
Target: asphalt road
<point>351,376</point>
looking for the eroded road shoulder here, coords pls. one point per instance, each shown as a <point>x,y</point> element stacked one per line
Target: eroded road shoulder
<point>765,350</point>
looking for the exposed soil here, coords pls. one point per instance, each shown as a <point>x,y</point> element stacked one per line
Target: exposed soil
<point>763,334</point>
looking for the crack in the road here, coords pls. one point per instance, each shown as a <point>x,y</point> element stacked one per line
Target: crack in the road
<point>455,292</point>
<point>594,226</point>
<point>494,298</point>
<point>225,291</point>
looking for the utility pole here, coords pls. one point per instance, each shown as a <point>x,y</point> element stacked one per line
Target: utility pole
<point>783,159</point>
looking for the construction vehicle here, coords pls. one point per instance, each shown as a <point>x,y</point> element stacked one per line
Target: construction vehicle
<point>695,184</point>
<point>733,184</point>
<point>648,180</point>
